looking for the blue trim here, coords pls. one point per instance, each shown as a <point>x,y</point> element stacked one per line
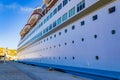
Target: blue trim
<point>112,75</point>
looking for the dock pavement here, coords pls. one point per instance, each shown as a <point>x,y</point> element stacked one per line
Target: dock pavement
<point>19,71</point>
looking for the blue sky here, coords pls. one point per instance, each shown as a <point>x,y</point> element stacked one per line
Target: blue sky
<point>13,16</point>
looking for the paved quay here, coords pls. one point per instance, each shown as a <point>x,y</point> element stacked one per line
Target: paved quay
<point>19,71</point>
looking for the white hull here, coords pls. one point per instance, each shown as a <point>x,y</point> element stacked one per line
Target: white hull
<point>94,45</point>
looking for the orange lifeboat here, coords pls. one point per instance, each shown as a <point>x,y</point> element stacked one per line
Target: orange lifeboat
<point>50,3</point>
<point>35,17</point>
<point>25,30</point>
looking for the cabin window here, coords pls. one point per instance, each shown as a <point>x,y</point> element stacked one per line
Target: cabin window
<point>95,36</point>
<point>55,35</point>
<point>59,33</point>
<point>55,11</point>
<point>65,2</point>
<point>50,27</point>
<point>82,23</point>
<point>59,45</point>
<point>59,21</point>
<point>50,16</point>
<point>73,41</point>
<point>54,24</point>
<point>65,43</point>
<point>72,12</point>
<point>81,5</point>
<point>65,30</point>
<point>73,27</point>
<point>95,17</point>
<point>113,32</point>
<point>59,6</point>
<point>82,39</point>
<point>112,9</point>
<point>64,17</point>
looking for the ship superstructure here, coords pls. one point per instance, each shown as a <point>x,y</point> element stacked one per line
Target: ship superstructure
<point>75,35</point>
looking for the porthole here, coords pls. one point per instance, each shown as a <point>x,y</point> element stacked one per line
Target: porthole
<point>112,9</point>
<point>73,27</point>
<point>65,43</point>
<point>50,37</point>
<point>95,36</point>
<point>95,17</point>
<point>82,23</point>
<point>59,33</point>
<point>73,57</point>
<point>59,57</point>
<point>73,42</point>
<point>65,57</point>
<point>113,32</point>
<point>55,35</point>
<point>54,46</point>
<point>65,30</point>
<point>97,57</point>
<point>59,45</point>
<point>82,39</point>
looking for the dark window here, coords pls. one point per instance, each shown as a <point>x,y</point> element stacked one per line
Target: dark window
<point>65,43</point>
<point>65,2</point>
<point>73,57</point>
<point>97,57</point>
<point>73,27</point>
<point>54,46</point>
<point>95,36</point>
<point>113,31</point>
<point>55,11</point>
<point>50,37</point>
<point>59,6</point>
<point>65,30</point>
<point>59,33</point>
<point>55,35</point>
<point>54,24</point>
<point>59,57</point>
<point>59,45</point>
<point>65,57</point>
<point>82,39</point>
<point>95,17</point>
<point>73,42</point>
<point>47,39</point>
<point>81,6</point>
<point>82,23</point>
<point>50,27</point>
<point>112,9</point>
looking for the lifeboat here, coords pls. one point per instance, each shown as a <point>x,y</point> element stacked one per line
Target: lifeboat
<point>35,17</point>
<point>50,3</point>
<point>25,30</point>
<point>22,33</point>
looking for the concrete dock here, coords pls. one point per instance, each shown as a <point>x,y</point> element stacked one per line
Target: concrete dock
<point>19,71</point>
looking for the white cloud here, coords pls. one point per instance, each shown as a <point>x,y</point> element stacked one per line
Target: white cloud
<point>15,6</point>
<point>12,6</point>
<point>26,9</point>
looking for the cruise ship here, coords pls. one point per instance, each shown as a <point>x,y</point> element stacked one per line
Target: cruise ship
<point>75,35</point>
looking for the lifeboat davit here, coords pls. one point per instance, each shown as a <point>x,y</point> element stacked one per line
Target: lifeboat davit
<point>37,14</point>
<point>50,3</point>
